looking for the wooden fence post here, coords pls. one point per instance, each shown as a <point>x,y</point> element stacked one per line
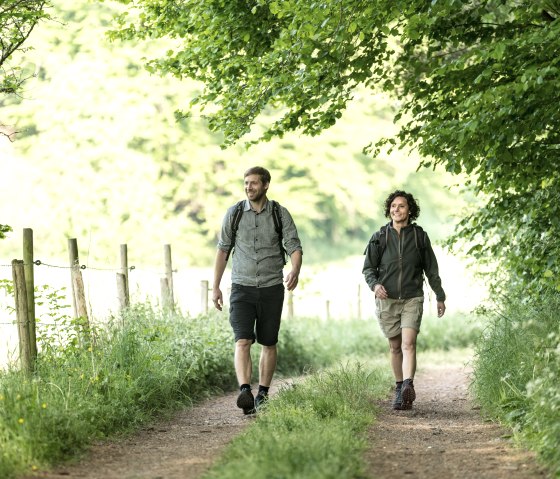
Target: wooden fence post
<point>20,295</point>
<point>169,274</point>
<point>165,296</point>
<point>121,291</point>
<point>204,296</point>
<point>290,304</point>
<point>124,270</point>
<point>73,255</point>
<point>328,309</point>
<point>30,290</point>
<point>79,296</point>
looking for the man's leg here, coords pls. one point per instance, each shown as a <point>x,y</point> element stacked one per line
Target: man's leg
<point>267,365</point>
<point>243,367</point>
<point>242,361</point>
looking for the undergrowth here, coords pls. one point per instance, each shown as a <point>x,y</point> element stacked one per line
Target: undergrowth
<point>314,429</point>
<point>516,371</point>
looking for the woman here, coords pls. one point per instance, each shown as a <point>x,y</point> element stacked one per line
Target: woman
<point>397,257</point>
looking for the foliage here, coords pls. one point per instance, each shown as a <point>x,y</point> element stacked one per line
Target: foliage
<point>312,429</point>
<point>142,364</point>
<point>450,332</point>
<point>3,230</point>
<point>476,82</point>
<point>312,343</point>
<point>516,369</point>
<point>99,127</point>
<point>18,18</point>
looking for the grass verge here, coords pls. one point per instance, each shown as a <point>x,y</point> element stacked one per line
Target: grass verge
<point>141,365</point>
<point>313,430</point>
<point>516,371</point>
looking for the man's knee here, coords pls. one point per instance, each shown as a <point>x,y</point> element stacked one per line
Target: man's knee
<point>243,343</point>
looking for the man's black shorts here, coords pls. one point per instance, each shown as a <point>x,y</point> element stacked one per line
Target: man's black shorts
<point>255,313</point>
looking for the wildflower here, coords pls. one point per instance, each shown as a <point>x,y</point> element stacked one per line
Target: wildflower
<point>1,397</point>
<point>21,420</point>
<point>44,405</point>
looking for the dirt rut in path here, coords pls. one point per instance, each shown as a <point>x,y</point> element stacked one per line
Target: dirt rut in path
<point>443,437</point>
<point>180,448</point>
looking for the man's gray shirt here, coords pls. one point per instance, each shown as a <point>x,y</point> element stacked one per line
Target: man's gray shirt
<point>256,259</point>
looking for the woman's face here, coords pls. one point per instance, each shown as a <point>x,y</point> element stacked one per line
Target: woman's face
<point>399,210</point>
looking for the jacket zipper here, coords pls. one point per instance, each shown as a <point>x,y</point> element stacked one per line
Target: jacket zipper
<point>400,248</point>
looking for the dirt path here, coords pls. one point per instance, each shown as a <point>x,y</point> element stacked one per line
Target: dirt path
<point>443,437</point>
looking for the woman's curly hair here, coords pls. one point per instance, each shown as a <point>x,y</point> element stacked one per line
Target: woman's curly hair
<point>414,207</point>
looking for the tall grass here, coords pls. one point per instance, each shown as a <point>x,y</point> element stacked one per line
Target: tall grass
<point>312,430</point>
<point>458,330</point>
<point>517,371</point>
<point>142,364</point>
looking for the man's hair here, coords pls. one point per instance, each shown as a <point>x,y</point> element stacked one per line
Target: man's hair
<point>414,207</point>
<point>259,170</point>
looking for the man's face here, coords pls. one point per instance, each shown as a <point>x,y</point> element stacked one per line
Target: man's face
<point>254,187</point>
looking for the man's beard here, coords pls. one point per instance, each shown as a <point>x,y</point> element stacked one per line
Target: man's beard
<point>257,197</point>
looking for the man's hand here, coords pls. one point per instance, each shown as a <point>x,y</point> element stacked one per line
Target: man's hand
<point>440,309</point>
<point>217,298</point>
<point>291,280</point>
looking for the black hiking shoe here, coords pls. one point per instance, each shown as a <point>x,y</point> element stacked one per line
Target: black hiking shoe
<point>408,394</point>
<point>246,401</point>
<point>397,402</point>
<point>260,401</point>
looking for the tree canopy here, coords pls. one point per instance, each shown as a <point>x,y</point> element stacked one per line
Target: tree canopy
<point>96,126</point>
<point>18,18</point>
<point>476,84</point>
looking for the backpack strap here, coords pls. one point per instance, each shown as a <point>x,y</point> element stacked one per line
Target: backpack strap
<point>383,240</point>
<point>278,227</point>
<point>419,241</point>
<point>235,219</point>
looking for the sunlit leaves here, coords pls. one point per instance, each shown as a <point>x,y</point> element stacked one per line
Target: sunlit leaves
<point>477,84</point>
<point>17,20</point>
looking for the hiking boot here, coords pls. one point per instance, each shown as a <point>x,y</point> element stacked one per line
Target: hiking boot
<point>260,401</point>
<point>246,401</point>
<point>408,394</point>
<point>397,402</point>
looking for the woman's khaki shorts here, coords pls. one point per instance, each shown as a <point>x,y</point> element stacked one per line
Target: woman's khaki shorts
<point>395,314</point>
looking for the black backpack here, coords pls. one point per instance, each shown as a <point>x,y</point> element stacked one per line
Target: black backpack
<point>236,218</point>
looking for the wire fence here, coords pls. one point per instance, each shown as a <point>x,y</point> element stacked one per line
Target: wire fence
<point>335,292</point>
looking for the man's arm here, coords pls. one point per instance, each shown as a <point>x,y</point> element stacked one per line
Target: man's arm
<point>292,277</point>
<point>219,268</point>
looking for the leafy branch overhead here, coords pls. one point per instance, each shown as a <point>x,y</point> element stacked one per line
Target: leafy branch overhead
<point>476,82</point>
<point>18,18</point>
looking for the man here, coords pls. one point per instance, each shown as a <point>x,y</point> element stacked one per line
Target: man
<point>257,293</point>
<point>397,256</point>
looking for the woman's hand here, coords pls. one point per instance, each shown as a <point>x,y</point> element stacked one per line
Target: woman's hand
<point>380,291</point>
